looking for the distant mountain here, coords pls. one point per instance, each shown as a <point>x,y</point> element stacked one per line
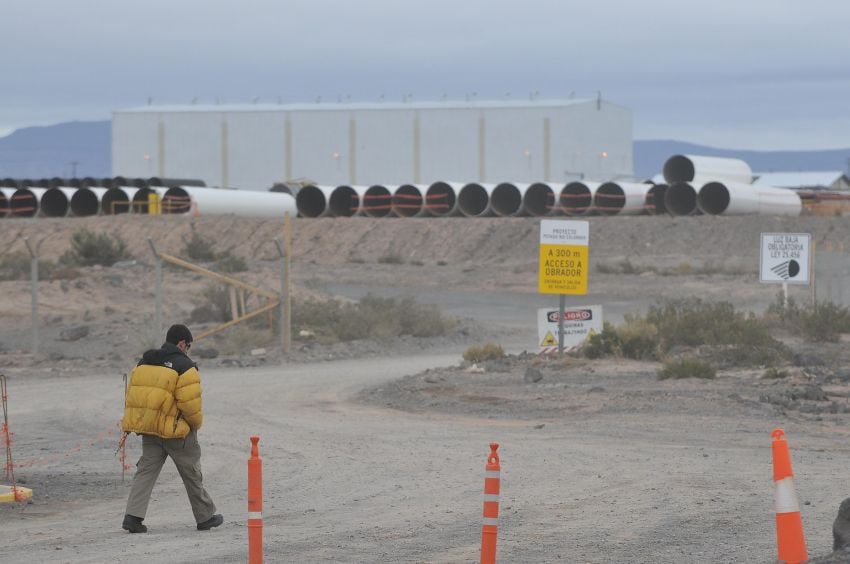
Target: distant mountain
<point>44,152</point>
<point>649,157</point>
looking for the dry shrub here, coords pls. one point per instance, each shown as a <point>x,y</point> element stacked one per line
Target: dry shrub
<point>88,249</point>
<point>686,368</point>
<point>480,353</point>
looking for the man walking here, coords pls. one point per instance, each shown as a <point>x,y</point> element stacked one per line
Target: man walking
<point>163,404</point>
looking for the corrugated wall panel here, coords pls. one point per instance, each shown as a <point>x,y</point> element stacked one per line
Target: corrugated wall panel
<point>135,150</point>
<point>449,145</point>
<point>248,148</point>
<point>320,146</point>
<point>256,148</point>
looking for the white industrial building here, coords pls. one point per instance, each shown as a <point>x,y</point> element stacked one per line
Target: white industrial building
<point>253,146</point>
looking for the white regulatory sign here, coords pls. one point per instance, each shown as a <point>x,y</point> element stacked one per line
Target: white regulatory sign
<point>579,323</point>
<point>785,258</point>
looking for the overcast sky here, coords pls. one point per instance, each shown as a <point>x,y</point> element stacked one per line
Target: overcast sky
<point>745,74</point>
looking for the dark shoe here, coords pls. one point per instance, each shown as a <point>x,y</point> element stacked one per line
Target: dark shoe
<point>133,524</point>
<point>213,521</point>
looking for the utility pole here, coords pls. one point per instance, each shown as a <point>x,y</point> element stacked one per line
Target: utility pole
<point>74,168</point>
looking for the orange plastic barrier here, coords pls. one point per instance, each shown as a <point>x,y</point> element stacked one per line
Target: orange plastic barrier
<point>790,539</point>
<point>492,484</point>
<point>255,505</point>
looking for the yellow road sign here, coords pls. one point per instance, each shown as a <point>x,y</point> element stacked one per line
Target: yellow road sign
<point>563,257</point>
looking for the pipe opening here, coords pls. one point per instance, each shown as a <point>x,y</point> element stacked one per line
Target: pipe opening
<point>115,201</point>
<point>472,200</point>
<point>54,203</point>
<point>681,199</point>
<point>679,168</point>
<point>138,182</point>
<point>506,199</point>
<point>24,203</point>
<point>4,205</point>
<point>610,199</point>
<point>655,199</point>
<point>407,200</point>
<point>539,199</point>
<point>84,203</point>
<point>344,202</point>
<point>440,198</point>
<point>141,200</point>
<point>576,198</point>
<point>176,201</point>
<point>310,201</point>
<point>714,198</point>
<point>377,201</point>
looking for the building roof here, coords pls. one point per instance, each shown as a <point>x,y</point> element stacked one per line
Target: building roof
<point>798,179</point>
<point>324,106</point>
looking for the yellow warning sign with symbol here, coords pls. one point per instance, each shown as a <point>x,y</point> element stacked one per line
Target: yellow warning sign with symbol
<point>549,340</point>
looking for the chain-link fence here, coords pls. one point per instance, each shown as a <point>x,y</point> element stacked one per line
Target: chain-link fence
<point>832,273</point>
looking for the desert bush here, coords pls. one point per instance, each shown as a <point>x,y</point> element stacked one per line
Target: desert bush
<point>199,249</point>
<point>230,263</point>
<point>693,322</point>
<point>16,266</point>
<point>480,353</point>
<point>824,321</point>
<point>242,339</point>
<point>391,258</point>
<point>686,368</point>
<point>774,373</point>
<point>734,337</point>
<point>372,317</point>
<point>88,248</point>
<point>638,339</point>
<point>605,343</point>
<point>212,305</point>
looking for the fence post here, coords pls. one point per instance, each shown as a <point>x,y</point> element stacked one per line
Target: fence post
<point>34,291</point>
<point>157,320</point>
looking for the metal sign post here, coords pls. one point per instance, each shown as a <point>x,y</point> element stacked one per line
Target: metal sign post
<point>34,291</point>
<point>158,311</point>
<point>563,263</point>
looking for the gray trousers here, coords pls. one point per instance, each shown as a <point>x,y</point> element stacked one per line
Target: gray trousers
<point>186,454</point>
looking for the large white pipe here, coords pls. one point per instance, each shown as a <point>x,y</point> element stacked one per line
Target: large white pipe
<point>538,199</point>
<point>612,198</point>
<point>690,168</point>
<point>56,202</point>
<point>24,201</point>
<point>346,201</point>
<point>576,198</point>
<point>118,199</point>
<point>680,198</point>
<point>312,200</point>
<point>441,198</point>
<point>86,201</point>
<point>473,199</point>
<point>377,200</point>
<point>6,200</point>
<point>731,198</point>
<point>506,198</point>
<point>409,200</point>
<point>655,198</point>
<point>222,201</point>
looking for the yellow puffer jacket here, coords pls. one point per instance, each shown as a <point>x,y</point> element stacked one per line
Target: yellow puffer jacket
<point>162,402</point>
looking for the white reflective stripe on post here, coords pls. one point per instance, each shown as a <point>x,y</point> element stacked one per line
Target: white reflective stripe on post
<point>491,497</point>
<point>491,521</point>
<point>786,497</point>
<point>255,515</point>
<point>492,474</point>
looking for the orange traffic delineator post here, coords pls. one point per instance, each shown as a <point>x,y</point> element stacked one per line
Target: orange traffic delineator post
<point>492,485</point>
<point>790,540</point>
<point>255,504</point>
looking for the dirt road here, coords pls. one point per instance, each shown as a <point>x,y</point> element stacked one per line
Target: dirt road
<point>668,481</point>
